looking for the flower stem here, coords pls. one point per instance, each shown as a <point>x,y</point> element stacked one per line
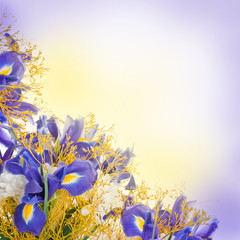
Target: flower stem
<point>170,237</point>
<point>6,86</point>
<point>46,195</point>
<point>94,229</point>
<point>154,227</point>
<point>41,170</point>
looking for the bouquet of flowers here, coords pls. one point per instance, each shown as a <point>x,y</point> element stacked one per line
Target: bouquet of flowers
<point>65,180</point>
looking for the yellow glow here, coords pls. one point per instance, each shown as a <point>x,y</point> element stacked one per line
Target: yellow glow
<point>21,161</point>
<point>6,70</point>
<point>27,212</point>
<point>70,178</point>
<point>82,140</point>
<point>158,89</point>
<point>139,222</point>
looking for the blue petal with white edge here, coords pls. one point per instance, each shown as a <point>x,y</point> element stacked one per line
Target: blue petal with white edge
<point>72,130</point>
<point>61,171</point>
<point>164,217</point>
<point>133,219</point>
<point>18,165</point>
<point>28,217</point>
<point>182,235</point>
<point>3,119</point>
<point>83,147</point>
<point>1,168</point>
<point>79,177</point>
<point>11,66</point>
<point>195,238</point>
<point>5,136</point>
<point>177,210</point>
<point>52,127</point>
<point>47,157</point>
<point>131,184</point>
<point>205,231</point>
<point>148,228</point>
<point>32,187</point>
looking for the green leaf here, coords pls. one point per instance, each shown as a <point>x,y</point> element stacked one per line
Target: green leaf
<point>69,213</point>
<point>66,231</point>
<point>53,200</point>
<point>94,229</point>
<point>170,237</point>
<point>3,237</point>
<point>41,206</point>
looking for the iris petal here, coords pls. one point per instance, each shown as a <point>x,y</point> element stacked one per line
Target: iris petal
<point>52,127</point>
<point>29,218</point>
<point>133,218</point>
<point>205,231</point>
<point>6,70</point>
<point>79,177</point>
<point>177,209</point>
<point>182,235</point>
<point>131,184</point>
<point>18,165</point>
<point>72,130</point>
<point>11,65</point>
<point>148,228</point>
<point>164,217</point>
<point>32,187</point>
<point>1,168</point>
<point>5,136</point>
<point>23,106</point>
<point>194,238</point>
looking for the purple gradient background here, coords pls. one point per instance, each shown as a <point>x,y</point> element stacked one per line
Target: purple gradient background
<point>219,20</point>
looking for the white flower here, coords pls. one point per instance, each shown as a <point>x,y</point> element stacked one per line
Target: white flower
<point>12,185</point>
<point>85,211</point>
<point>109,196</point>
<point>50,169</point>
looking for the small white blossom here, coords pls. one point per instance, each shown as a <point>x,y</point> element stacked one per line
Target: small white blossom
<point>85,211</point>
<point>12,185</point>
<point>50,169</point>
<point>109,196</point>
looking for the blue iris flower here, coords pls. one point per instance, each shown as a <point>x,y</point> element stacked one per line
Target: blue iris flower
<point>118,164</point>
<point>131,184</point>
<point>73,135</point>
<point>76,178</point>
<point>202,232</point>
<point>8,143</point>
<point>28,217</point>
<point>11,69</point>
<point>137,220</point>
<point>176,217</point>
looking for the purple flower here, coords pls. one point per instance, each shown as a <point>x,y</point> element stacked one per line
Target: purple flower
<point>72,135</point>
<point>206,231</point>
<point>176,217</point>
<point>138,221</point>
<point>28,217</point>
<point>11,72</point>
<point>7,141</point>
<point>118,163</point>
<point>72,130</point>
<point>76,178</point>
<point>11,68</point>
<point>202,232</point>
<point>131,184</point>
<point>14,107</point>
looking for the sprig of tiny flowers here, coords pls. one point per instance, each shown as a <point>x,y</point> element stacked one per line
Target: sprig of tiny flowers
<point>69,182</point>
